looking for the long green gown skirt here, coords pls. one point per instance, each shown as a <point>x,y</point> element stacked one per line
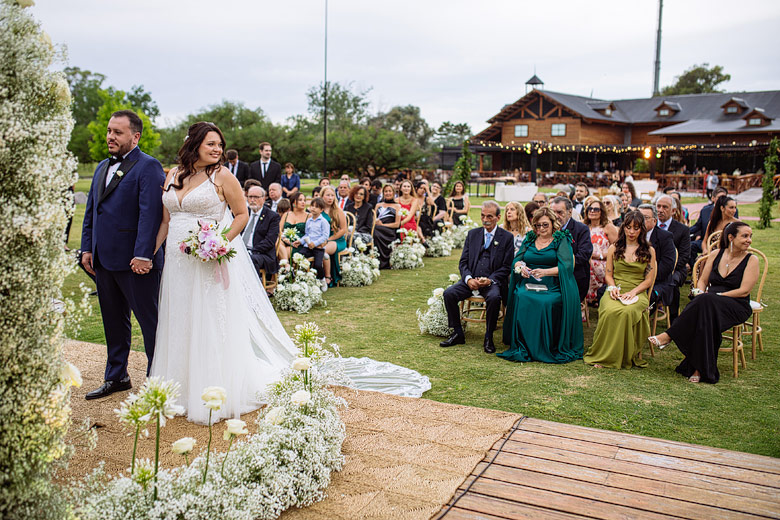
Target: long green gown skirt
<point>341,245</point>
<point>622,329</point>
<point>300,228</point>
<point>546,325</point>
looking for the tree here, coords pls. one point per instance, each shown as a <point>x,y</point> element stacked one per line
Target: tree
<point>699,79</point>
<point>141,100</point>
<point>450,134</point>
<point>37,171</point>
<point>85,87</point>
<point>462,169</point>
<point>346,107</point>
<point>113,101</point>
<point>408,121</point>
<point>768,185</point>
<point>371,151</point>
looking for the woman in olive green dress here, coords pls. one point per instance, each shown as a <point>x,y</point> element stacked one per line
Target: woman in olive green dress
<point>623,327</point>
<point>542,320</point>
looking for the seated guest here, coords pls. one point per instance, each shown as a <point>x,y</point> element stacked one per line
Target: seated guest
<point>342,194</point>
<point>295,219</point>
<point>680,212</point>
<point>291,181</point>
<point>261,232</point>
<point>665,253</point>
<point>364,213</point>
<point>376,192</point>
<point>530,209</point>
<point>460,202</point>
<point>238,168</point>
<point>728,276</point>
<point>315,192</point>
<point>249,183</point>
<point>612,206</point>
<point>623,326</point>
<point>515,222</point>
<point>629,189</point>
<point>484,267</point>
<point>408,202</point>
<point>724,213</point>
<point>312,243</point>
<point>583,248</point>
<point>425,211</point>
<point>578,201</point>
<point>366,183</point>
<point>440,202</point>
<point>274,195</point>
<point>325,181</point>
<point>337,242</point>
<point>345,178</point>
<point>602,234</point>
<point>283,207</point>
<point>539,198</point>
<point>666,206</point>
<point>388,220</point>
<point>542,322</point>
<point>700,227</point>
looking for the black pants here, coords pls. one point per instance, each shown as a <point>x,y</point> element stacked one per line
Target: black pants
<point>319,255</point>
<point>458,292</point>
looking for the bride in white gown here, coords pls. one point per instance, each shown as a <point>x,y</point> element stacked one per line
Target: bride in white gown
<point>209,335</point>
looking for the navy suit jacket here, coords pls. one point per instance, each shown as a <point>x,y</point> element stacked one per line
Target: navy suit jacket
<point>583,249</point>
<point>266,232</point>
<point>242,171</point>
<point>274,173</point>
<point>122,219</point>
<point>682,242</point>
<point>502,251</point>
<point>663,243</point>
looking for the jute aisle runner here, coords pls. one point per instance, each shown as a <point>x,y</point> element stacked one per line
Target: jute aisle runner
<point>404,457</point>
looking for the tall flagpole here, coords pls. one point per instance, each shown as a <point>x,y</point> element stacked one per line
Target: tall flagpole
<point>325,103</point>
<point>656,76</point>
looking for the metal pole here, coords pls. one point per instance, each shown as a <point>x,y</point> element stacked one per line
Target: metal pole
<point>325,102</point>
<point>656,76</point>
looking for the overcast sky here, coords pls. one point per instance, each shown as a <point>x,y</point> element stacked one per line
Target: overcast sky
<point>457,60</point>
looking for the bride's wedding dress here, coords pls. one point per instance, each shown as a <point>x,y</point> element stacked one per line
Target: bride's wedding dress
<point>208,335</point>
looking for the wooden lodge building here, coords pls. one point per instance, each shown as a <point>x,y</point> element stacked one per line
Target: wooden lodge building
<point>553,132</point>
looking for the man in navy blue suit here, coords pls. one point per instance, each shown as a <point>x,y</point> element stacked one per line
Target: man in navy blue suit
<point>484,267</point>
<point>121,221</point>
<point>665,255</point>
<point>583,247</point>
<point>261,232</point>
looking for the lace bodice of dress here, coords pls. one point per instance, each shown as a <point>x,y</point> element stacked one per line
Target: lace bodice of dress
<point>201,202</point>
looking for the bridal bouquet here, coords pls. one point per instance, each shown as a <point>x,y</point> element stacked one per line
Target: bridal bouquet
<point>298,288</point>
<point>210,243</point>
<point>360,269</point>
<point>407,251</point>
<point>434,320</point>
<point>440,244</point>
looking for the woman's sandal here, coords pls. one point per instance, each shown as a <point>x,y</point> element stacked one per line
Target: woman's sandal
<point>694,379</point>
<point>656,343</point>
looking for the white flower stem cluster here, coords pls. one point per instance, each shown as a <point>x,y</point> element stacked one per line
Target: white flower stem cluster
<point>434,320</point>
<point>36,173</point>
<point>298,288</point>
<point>286,463</point>
<point>360,268</point>
<point>407,252</point>
<point>440,244</point>
<point>460,231</point>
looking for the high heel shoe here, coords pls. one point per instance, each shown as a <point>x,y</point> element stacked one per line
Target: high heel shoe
<point>656,342</point>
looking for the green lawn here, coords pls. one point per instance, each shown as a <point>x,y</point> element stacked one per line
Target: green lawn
<point>739,414</point>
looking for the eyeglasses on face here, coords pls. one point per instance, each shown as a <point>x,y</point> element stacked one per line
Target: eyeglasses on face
<point>254,197</point>
<point>543,225</point>
<point>594,210</point>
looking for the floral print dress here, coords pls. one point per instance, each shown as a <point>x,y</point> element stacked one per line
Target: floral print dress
<point>598,262</point>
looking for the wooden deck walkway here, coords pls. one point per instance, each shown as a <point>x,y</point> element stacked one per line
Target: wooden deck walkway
<point>547,470</point>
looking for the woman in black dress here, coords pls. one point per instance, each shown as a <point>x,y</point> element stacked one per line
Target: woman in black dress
<point>364,214</point>
<point>724,301</point>
<point>388,220</point>
<point>460,202</point>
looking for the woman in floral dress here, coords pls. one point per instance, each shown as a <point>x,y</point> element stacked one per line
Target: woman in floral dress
<point>602,234</point>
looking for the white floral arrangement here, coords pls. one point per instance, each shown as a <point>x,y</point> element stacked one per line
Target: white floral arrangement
<point>460,232</point>
<point>360,269</point>
<point>407,252</point>
<point>434,320</point>
<point>440,244</point>
<point>298,288</point>
<point>287,462</point>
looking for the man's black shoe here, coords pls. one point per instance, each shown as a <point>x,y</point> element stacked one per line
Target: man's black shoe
<point>455,339</point>
<point>110,387</point>
<point>489,347</point>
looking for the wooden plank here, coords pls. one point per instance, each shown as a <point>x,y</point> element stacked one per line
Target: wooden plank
<point>663,488</point>
<point>543,439</point>
<point>561,502</point>
<point>490,507</point>
<point>610,496</point>
<point>649,444</point>
<point>639,470</point>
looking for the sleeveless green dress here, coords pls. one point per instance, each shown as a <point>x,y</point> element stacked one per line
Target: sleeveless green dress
<point>300,228</point>
<point>622,329</point>
<point>341,245</point>
<point>544,326</point>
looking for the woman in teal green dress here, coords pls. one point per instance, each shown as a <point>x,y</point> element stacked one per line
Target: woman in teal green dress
<point>623,327</point>
<point>338,233</point>
<point>295,219</point>
<point>542,321</point>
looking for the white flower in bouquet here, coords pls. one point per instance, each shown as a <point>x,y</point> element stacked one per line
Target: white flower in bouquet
<point>454,278</point>
<point>275,415</point>
<point>346,267</point>
<point>434,320</point>
<point>300,398</point>
<point>463,218</point>
<point>214,397</point>
<point>283,261</point>
<point>183,445</point>
<point>374,262</point>
<point>235,427</point>
<point>301,364</point>
<point>438,292</point>
<point>375,272</point>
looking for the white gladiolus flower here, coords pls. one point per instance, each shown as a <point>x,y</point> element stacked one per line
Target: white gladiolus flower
<point>275,415</point>
<point>301,364</point>
<point>438,292</point>
<point>300,398</point>
<point>70,375</point>
<point>214,397</point>
<point>235,427</point>
<point>183,445</point>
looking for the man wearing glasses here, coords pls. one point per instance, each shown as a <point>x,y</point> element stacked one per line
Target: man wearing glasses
<point>484,269</point>
<point>261,232</point>
<point>583,248</point>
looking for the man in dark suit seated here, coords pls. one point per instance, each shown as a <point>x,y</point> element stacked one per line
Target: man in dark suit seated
<point>238,168</point>
<point>265,170</point>
<point>261,232</point>
<point>665,253</point>
<point>583,247</point>
<point>665,206</point>
<point>484,268</point>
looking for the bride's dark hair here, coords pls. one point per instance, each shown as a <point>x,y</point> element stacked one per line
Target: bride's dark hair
<point>188,153</point>
<point>643,246</point>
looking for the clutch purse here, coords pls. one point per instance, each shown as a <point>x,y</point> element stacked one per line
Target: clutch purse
<point>536,287</point>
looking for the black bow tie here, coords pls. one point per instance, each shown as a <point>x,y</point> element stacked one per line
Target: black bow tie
<point>114,160</point>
